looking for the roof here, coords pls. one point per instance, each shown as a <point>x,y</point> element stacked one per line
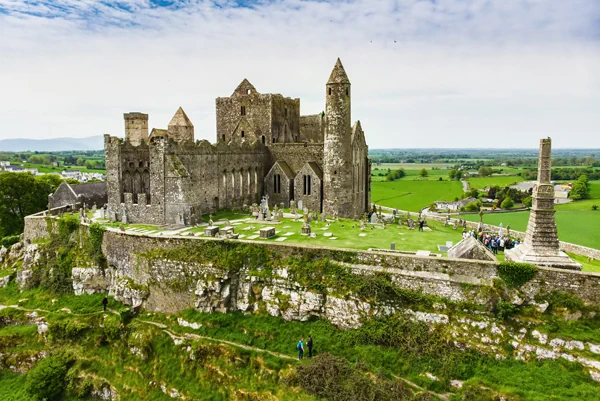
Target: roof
<point>315,167</point>
<point>470,248</point>
<point>244,88</point>
<point>180,119</point>
<point>285,168</point>
<point>92,188</point>
<point>158,132</point>
<point>338,75</point>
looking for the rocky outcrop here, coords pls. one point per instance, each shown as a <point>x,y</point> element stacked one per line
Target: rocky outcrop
<point>90,280</point>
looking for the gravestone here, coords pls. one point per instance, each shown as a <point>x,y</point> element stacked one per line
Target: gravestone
<point>300,206</point>
<point>393,246</point>
<point>374,218</point>
<point>267,232</point>
<point>211,231</point>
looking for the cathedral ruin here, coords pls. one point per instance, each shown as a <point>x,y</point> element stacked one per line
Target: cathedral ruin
<point>263,147</point>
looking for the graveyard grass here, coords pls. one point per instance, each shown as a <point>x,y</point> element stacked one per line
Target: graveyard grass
<point>347,233</point>
<point>413,195</point>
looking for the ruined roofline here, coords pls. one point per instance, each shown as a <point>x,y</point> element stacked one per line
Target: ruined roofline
<point>263,95</point>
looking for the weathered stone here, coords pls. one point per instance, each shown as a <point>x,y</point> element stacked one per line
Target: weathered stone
<point>267,232</point>
<point>211,231</point>
<point>541,245</point>
<point>470,248</point>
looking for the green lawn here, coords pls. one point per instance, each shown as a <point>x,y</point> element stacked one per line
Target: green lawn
<point>413,195</point>
<point>594,189</point>
<point>591,266</point>
<point>44,168</point>
<point>491,181</point>
<point>347,234</point>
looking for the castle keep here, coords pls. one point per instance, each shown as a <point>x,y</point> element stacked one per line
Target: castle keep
<point>263,147</point>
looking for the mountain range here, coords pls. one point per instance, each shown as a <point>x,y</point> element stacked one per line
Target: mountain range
<point>52,145</point>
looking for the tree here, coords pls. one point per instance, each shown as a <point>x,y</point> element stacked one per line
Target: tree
<point>485,171</point>
<point>452,174</point>
<point>20,196</point>
<point>80,161</point>
<point>528,201</point>
<point>580,189</point>
<point>507,203</point>
<point>46,381</point>
<point>423,173</point>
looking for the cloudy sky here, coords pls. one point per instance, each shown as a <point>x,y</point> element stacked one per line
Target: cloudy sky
<point>425,73</point>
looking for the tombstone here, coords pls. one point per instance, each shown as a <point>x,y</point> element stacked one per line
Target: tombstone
<point>392,246</point>
<point>293,206</point>
<point>281,205</point>
<point>280,214</point>
<point>395,212</point>
<point>455,225</point>
<point>374,218</point>
<point>102,213</point>
<point>275,213</point>
<point>254,209</point>
<point>363,225</point>
<point>94,209</point>
<point>399,223</point>
<point>245,207</point>
<point>305,229</point>
<point>227,223</point>
<point>300,206</point>
<point>313,235</point>
<point>181,219</point>
<point>177,219</point>
<point>210,220</point>
<point>267,232</point>
<point>124,215</point>
<point>211,231</point>
<point>501,231</point>
<point>268,214</point>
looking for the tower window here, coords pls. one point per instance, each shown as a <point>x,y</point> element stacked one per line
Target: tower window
<point>335,172</point>
<point>243,110</point>
<point>248,91</point>
<point>242,134</point>
<point>263,139</point>
<point>347,91</point>
<point>330,91</point>
<point>223,137</point>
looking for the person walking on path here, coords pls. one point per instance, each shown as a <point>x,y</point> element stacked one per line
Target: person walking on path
<point>300,348</point>
<point>105,303</point>
<point>309,346</point>
<point>421,224</point>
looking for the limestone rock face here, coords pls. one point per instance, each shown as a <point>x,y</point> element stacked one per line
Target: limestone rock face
<point>470,248</point>
<point>89,280</point>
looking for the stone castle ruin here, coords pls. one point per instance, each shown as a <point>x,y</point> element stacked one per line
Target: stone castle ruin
<point>264,147</point>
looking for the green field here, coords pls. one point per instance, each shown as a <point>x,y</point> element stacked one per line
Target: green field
<point>594,189</point>
<point>43,168</point>
<point>412,166</point>
<point>492,181</point>
<point>413,195</point>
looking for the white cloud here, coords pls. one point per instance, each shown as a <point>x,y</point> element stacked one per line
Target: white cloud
<point>445,73</point>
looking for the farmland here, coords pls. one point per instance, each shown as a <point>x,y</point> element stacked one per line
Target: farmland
<point>413,195</point>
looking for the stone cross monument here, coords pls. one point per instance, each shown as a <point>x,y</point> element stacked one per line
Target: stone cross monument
<point>541,245</point>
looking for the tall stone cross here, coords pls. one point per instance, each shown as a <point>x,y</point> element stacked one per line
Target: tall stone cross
<point>541,245</point>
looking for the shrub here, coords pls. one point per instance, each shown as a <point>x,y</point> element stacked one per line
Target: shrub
<point>594,207</point>
<point>528,201</point>
<point>504,310</point>
<point>507,203</point>
<point>9,241</point>
<point>470,207</point>
<point>46,381</point>
<point>516,274</point>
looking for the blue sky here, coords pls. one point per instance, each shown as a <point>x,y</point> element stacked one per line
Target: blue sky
<point>443,73</point>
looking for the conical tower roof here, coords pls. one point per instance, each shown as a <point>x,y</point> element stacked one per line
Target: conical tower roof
<point>181,119</point>
<point>338,75</point>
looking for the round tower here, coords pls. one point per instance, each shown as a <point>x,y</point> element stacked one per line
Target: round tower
<point>136,128</point>
<point>337,157</point>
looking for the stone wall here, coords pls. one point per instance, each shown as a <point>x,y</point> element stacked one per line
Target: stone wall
<point>157,284</point>
<point>36,227</point>
<point>312,128</point>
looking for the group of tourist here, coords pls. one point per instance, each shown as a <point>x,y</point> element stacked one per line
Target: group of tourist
<point>494,242</point>
<point>300,347</point>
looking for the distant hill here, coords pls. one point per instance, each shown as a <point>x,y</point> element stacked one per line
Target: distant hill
<point>52,145</point>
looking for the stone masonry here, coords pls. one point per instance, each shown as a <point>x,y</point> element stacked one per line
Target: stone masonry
<point>541,245</point>
<point>264,147</point>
